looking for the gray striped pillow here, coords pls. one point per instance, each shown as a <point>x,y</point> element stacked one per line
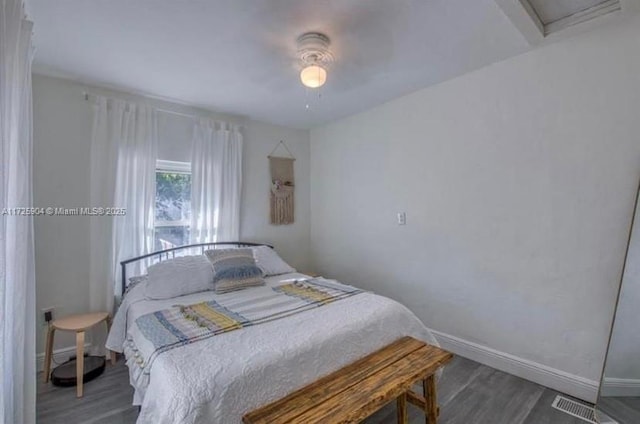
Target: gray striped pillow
<point>234,269</point>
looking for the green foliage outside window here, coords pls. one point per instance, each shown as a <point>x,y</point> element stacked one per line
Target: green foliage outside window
<point>173,209</point>
<point>173,196</point>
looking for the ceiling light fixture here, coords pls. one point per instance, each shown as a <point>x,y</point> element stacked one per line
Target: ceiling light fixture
<point>313,49</point>
<point>313,76</point>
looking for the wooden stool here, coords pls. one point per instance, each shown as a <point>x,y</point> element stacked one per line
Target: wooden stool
<point>77,323</point>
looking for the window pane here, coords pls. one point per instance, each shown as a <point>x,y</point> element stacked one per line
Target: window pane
<point>168,237</point>
<point>173,196</point>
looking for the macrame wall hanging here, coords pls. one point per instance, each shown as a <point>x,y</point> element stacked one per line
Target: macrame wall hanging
<point>282,185</point>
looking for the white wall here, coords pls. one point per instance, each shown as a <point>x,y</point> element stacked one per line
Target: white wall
<point>518,181</point>
<point>291,241</point>
<point>62,138</point>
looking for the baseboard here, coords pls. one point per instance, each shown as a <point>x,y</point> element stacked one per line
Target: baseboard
<point>563,382</point>
<point>623,387</point>
<point>59,356</point>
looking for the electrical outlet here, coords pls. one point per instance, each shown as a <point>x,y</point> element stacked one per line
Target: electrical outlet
<point>402,218</point>
<point>47,315</point>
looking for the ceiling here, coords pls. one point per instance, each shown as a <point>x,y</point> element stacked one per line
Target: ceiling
<point>240,56</point>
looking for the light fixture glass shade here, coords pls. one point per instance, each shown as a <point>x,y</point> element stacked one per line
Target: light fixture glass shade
<point>313,76</point>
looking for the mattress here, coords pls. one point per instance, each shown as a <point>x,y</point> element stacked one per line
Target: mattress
<point>219,379</point>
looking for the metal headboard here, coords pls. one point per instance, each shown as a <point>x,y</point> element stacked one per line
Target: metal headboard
<point>171,253</point>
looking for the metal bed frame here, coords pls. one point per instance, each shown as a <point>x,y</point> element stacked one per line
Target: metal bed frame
<point>171,253</point>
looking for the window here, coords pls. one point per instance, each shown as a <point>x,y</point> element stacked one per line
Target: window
<point>173,204</point>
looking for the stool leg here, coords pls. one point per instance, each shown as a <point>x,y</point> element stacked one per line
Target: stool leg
<point>48,352</point>
<point>112,354</point>
<point>79,362</point>
<point>431,403</point>
<point>402,409</point>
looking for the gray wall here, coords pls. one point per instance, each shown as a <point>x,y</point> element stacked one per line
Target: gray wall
<point>518,181</point>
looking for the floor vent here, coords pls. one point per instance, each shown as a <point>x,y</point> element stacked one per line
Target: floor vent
<point>577,409</point>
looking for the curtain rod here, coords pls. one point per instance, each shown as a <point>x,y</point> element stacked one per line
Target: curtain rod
<point>171,112</point>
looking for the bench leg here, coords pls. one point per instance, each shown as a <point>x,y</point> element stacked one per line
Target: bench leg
<point>431,402</point>
<point>402,409</point>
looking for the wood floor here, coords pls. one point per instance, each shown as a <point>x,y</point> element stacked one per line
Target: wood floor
<point>622,409</point>
<point>469,393</point>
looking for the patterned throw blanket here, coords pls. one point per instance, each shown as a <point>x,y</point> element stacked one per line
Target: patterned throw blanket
<point>160,331</point>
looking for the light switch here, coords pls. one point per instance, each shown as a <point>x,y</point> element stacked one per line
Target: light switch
<point>402,218</point>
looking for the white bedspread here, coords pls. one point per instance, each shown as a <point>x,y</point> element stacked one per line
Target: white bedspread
<point>219,379</point>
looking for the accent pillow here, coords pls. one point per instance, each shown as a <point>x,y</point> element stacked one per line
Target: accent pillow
<point>234,269</point>
<point>270,262</point>
<point>178,277</point>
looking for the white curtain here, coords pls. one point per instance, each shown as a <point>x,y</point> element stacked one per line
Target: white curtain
<point>123,160</point>
<point>17,267</point>
<point>216,182</point>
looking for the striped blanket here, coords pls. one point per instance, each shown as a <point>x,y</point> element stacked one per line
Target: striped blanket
<point>160,331</point>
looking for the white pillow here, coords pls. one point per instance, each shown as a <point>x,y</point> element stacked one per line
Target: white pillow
<point>270,262</point>
<point>178,277</point>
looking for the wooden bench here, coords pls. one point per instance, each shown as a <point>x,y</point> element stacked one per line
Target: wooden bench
<point>356,391</point>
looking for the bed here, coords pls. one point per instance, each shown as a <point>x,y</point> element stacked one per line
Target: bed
<point>218,379</point>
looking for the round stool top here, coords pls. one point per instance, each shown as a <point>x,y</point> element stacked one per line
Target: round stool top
<point>79,322</point>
